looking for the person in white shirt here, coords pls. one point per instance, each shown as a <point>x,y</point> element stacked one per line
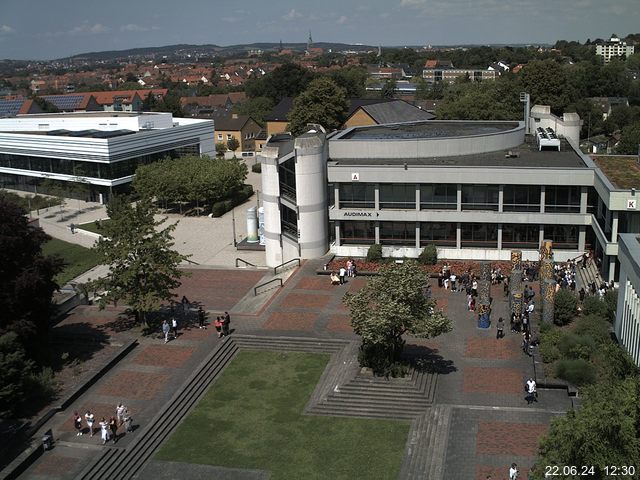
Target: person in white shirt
<point>452,279</point>
<point>89,418</point>
<point>530,308</point>
<point>531,391</point>
<point>513,472</point>
<point>343,272</point>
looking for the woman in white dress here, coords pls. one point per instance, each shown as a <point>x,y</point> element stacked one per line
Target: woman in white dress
<point>104,430</point>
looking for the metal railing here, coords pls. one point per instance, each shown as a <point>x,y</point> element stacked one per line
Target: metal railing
<point>275,269</point>
<point>255,289</point>
<point>245,262</point>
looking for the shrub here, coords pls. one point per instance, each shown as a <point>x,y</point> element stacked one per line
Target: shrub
<point>228,205</point>
<point>595,327</point>
<point>217,209</point>
<point>576,371</point>
<point>256,168</point>
<point>614,362</point>
<point>375,253</point>
<point>594,306</point>
<point>549,340</point>
<point>577,346</point>
<point>564,307</point>
<point>429,255</point>
<point>611,302</point>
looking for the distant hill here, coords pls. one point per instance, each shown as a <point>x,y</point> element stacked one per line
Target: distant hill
<point>208,49</point>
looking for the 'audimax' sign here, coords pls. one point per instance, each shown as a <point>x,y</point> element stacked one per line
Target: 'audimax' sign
<point>360,214</point>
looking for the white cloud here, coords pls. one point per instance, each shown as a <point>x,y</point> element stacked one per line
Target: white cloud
<point>342,20</point>
<point>292,15</point>
<point>6,29</point>
<point>231,19</point>
<point>87,28</point>
<point>132,27</point>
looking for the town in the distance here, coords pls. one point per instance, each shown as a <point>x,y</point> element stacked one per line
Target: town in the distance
<point>321,260</point>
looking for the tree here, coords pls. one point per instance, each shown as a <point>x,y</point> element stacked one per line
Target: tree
<point>630,141</point>
<point>143,265</point>
<point>549,83</point>
<point>15,368</point>
<point>388,89</point>
<point>233,144</point>
<point>322,102</point>
<point>221,149</point>
<point>287,80</point>
<point>564,308</point>
<point>603,432</point>
<point>257,108</point>
<point>389,306</point>
<point>351,79</point>
<point>26,279</point>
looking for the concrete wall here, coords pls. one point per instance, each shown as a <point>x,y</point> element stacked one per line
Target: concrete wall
<point>627,322</point>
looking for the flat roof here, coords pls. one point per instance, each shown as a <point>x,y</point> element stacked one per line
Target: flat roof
<point>526,155</point>
<point>427,129</point>
<point>622,171</point>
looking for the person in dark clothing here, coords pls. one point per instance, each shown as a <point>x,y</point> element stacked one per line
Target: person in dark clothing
<point>500,327</point>
<point>201,316</point>
<point>582,294</point>
<point>225,323</point>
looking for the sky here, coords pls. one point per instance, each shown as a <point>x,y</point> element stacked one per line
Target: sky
<point>48,29</point>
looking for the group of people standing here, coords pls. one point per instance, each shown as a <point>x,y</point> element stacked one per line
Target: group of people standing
<point>221,325</point>
<point>348,270</point>
<point>108,428</point>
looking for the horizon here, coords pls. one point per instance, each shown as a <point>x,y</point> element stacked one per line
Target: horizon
<point>83,27</point>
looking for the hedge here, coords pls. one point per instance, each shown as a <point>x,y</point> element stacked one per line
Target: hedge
<point>237,198</point>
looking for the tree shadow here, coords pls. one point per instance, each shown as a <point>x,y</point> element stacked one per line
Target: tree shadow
<point>185,314</point>
<point>427,360</point>
<point>75,342</point>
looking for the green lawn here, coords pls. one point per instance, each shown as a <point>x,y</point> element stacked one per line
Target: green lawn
<point>77,259</point>
<point>252,418</point>
<point>93,226</point>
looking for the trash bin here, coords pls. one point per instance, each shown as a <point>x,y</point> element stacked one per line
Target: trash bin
<point>47,441</point>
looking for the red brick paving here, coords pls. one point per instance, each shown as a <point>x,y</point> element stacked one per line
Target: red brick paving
<point>218,289</point>
<point>322,282</point>
<point>501,438</point>
<point>484,472</point>
<point>127,384</point>
<point>53,464</point>
<point>291,321</point>
<point>356,284</point>
<point>163,356</point>
<point>442,304</point>
<point>493,380</point>
<point>99,410</point>
<point>340,323</point>
<point>503,349</point>
<point>305,300</point>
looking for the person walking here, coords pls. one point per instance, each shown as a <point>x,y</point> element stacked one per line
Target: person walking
<point>201,318</point>
<point>113,426</point>
<point>104,430</point>
<point>120,409</point>
<point>218,324</point>
<point>77,423</point>
<point>500,328</point>
<point>342,273</point>
<point>526,342</point>
<point>513,472</point>
<point>165,330</point>
<point>532,391</point>
<point>225,323</point>
<point>174,327</point>
<point>349,264</point>
<point>128,422</point>
<point>90,419</point>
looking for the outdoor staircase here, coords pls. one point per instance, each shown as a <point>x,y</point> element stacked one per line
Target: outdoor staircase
<point>427,445</point>
<point>586,276</point>
<point>379,397</point>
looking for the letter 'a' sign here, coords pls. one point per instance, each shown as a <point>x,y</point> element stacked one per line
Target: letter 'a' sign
<point>355,177</point>
<point>631,204</point>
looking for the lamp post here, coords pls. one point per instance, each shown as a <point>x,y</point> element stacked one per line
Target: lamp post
<point>233,226</point>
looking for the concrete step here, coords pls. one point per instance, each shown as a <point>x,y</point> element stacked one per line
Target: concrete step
<point>414,465</point>
<point>441,418</point>
<point>358,391</point>
<point>382,404</point>
<point>361,412</point>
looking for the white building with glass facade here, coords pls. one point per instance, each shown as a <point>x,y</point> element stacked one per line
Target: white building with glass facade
<point>627,323</point>
<point>99,149</point>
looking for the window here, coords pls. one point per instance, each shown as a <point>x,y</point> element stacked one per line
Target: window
<point>357,233</point>
<point>219,136</point>
<point>229,136</point>
<point>562,199</point>
<point>289,222</point>
<point>398,233</point>
<point>398,196</point>
<point>520,236</point>
<point>482,235</point>
<point>357,195</point>
<point>442,234</point>
<point>439,197</point>
<point>563,236</point>
<point>521,198</point>
<point>287,173</point>
<point>480,197</point>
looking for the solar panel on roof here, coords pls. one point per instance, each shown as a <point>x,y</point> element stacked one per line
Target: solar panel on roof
<point>10,108</point>
<point>67,102</point>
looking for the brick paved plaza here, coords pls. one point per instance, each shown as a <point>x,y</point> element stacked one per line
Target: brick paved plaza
<point>481,379</point>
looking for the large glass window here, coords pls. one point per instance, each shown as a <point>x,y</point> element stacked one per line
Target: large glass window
<point>357,195</point>
<point>289,222</point>
<point>357,233</point>
<point>520,236</point>
<point>480,197</point>
<point>562,199</point>
<point>563,236</point>
<point>442,234</point>
<point>484,235</point>
<point>398,233</point>
<point>398,196</point>
<point>521,198</point>
<point>287,173</point>
<point>439,197</point>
